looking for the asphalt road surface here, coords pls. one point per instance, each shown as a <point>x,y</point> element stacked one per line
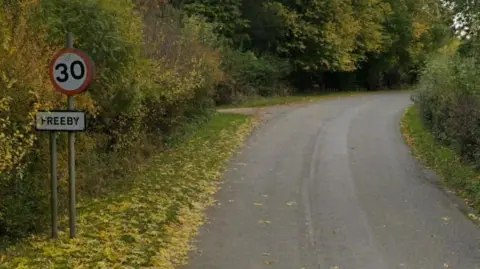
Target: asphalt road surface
<point>333,185</point>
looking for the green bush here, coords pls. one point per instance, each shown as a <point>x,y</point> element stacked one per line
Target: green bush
<point>449,99</point>
<point>250,75</point>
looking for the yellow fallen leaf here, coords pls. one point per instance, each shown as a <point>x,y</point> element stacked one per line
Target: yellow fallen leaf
<point>446,218</point>
<point>264,222</point>
<point>257,204</point>
<point>473,216</point>
<point>269,262</point>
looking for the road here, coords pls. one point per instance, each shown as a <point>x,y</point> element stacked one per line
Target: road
<point>333,184</point>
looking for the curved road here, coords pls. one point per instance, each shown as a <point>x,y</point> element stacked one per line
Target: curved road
<point>333,184</point>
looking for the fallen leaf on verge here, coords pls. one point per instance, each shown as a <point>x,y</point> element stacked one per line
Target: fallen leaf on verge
<point>473,216</point>
<point>446,218</point>
<point>264,222</point>
<point>269,262</point>
<point>257,204</point>
<point>291,203</point>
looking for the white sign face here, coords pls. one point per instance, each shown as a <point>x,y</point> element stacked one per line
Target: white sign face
<point>70,71</point>
<point>60,121</point>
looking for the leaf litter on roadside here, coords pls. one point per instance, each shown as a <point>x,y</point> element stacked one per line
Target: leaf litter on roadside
<point>264,222</point>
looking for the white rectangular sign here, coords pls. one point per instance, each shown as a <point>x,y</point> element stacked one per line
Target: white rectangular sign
<point>60,121</point>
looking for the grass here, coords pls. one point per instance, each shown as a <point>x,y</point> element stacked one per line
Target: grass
<point>149,226</point>
<point>454,173</point>
<point>299,98</point>
<point>284,100</point>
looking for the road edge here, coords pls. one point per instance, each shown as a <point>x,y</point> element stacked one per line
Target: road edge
<point>420,141</point>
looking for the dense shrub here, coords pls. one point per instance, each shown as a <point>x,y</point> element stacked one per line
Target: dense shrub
<point>185,66</point>
<point>250,75</point>
<point>449,99</point>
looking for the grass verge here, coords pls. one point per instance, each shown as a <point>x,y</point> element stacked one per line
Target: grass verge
<point>303,98</point>
<point>149,226</point>
<point>455,175</point>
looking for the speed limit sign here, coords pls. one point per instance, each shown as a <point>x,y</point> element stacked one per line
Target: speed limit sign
<point>71,71</point>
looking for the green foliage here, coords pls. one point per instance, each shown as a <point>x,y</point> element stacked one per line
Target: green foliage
<point>413,30</point>
<point>448,97</point>
<point>321,34</point>
<point>186,69</point>
<point>246,73</point>
<point>225,14</point>
<point>250,75</point>
<point>371,43</point>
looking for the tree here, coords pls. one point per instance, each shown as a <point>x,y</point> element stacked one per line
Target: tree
<point>375,42</point>
<point>414,29</point>
<point>329,34</point>
<point>225,14</point>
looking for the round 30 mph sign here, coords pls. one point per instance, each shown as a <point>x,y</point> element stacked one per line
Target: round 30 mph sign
<point>71,71</point>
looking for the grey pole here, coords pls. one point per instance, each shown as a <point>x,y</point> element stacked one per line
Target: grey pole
<point>71,160</point>
<point>53,158</point>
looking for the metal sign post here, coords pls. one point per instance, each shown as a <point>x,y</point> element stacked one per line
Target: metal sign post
<point>71,72</point>
<point>71,160</point>
<point>53,167</point>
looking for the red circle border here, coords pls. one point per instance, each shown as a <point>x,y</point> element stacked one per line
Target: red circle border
<point>89,66</point>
